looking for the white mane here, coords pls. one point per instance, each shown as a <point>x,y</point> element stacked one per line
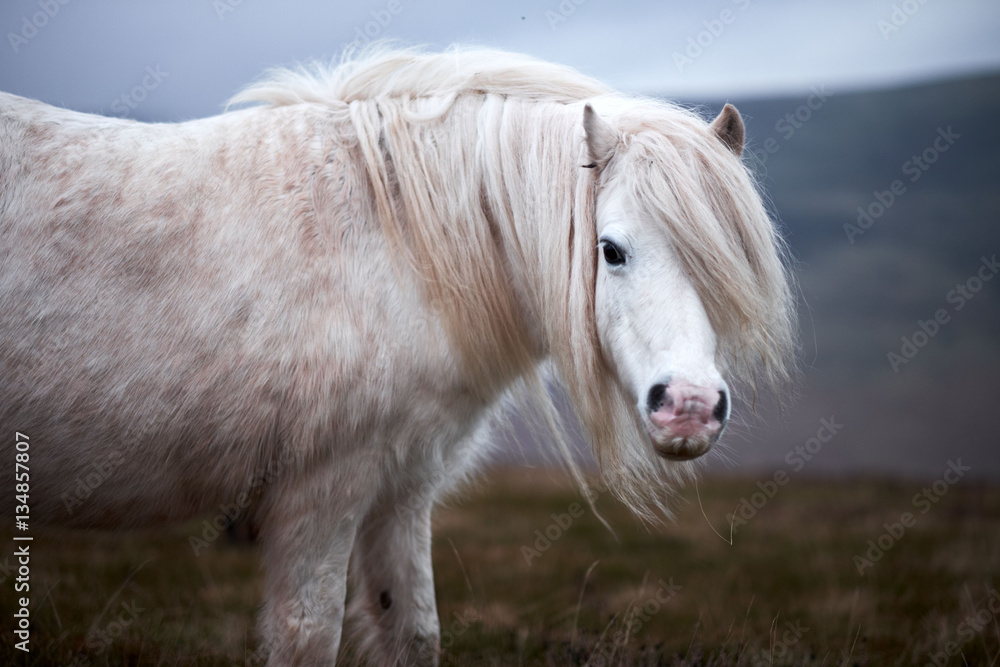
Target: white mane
<point>378,72</point>
<point>475,158</point>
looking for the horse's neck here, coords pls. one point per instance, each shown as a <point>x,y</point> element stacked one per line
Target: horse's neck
<point>482,199</point>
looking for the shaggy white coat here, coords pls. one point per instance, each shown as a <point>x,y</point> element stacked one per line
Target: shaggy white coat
<point>319,302</point>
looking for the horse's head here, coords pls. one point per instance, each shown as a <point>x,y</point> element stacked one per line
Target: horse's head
<point>665,213</point>
<point>654,329</point>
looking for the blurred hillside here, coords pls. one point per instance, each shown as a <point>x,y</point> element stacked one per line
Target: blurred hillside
<point>820,157</point>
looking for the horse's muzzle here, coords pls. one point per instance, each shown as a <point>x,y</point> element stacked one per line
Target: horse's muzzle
<point>685,420</point>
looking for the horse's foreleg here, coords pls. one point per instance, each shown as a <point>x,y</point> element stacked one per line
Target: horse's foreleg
<point>307,537</point>
<point>394,600</point>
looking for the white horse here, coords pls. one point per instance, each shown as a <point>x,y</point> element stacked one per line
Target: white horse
<point>316,303</point>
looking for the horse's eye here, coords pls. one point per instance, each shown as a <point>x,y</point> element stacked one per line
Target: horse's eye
<point>612,255</point>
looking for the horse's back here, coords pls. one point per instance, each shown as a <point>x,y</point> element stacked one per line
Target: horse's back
<point>165,293</point>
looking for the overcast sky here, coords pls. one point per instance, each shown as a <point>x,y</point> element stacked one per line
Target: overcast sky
<point>86,54</point>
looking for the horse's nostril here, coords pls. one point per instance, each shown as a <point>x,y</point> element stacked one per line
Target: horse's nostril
<point>721,408</point>
<point>656,397</point>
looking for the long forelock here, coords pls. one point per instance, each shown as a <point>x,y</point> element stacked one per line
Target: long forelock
<point>678,173</point>
<point>725,239</point>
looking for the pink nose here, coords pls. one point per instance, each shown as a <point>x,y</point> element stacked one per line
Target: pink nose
<point>685,419</point>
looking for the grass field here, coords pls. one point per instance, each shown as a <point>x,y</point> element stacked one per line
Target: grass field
<point>787,591</point>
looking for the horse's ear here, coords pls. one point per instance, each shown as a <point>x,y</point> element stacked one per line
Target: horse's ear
<point>601,138</point>
<point>728,126</point>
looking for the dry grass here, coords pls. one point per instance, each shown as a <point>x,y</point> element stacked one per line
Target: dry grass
<point>791,564</point>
